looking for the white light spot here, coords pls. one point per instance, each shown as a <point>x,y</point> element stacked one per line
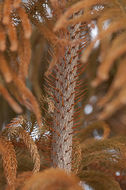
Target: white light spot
<point>98,7</point>
<point>94,33</point>
<point>88,109</point>
<point>117,173</point>
<point>46,133</point>
<point>49,12</point>
<point>85,186</point>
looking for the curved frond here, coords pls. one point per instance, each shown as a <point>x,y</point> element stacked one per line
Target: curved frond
<point>81,5</point>
<point>9,161</point>
<point>87,132</point>
<point>15,129</point>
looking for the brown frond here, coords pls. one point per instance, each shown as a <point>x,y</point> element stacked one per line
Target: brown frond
<point>52,179</point>
<point>9,30</point>
<point>25,22</point>
<point>27,55</point>
<point>87,132</point>
<point>32,148</point>
<point>8,26</point>
<point>114,27</point>
<point>115,104</point>
<point>117,84</point>
<point>12,34</point>
<point>76,8</point>
<point>24,52</point>
<point>15,129</point>
<point>112,12</point>
<point>22,62</point>
<point>9,161</point>
<point>28,99</point>
<point>112,38</point>
<point>82,18</point>
<point>116,49</point>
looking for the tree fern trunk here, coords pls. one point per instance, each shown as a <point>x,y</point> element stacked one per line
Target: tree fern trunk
<point>66,74</point>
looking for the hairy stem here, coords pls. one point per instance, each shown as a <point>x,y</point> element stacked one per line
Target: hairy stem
<point>66,74</point>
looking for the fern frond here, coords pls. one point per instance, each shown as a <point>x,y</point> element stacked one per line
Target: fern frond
<point>114,105</point>
<point>15,129</point>
<point>12,35</point>
<point>9,161</point>
<point>119,48</point>
<point>28,99</point>
<point>8,10</point>
<point>117,84</point>
<point>25,22</point>
<point>82,5</point>
<point>32,148</point>
<point>24,52</point>
<point>114,27</point>
<point>87,132</point>
<point>13,13</point>
<point>112,41</point>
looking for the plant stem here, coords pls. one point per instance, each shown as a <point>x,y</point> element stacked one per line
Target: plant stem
<point>63,120</point>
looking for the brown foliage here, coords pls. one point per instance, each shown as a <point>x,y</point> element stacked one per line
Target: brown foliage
<point>64,39</point>
<point>20,46</point>
<point>9,161</point>
<point>14,129</point>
